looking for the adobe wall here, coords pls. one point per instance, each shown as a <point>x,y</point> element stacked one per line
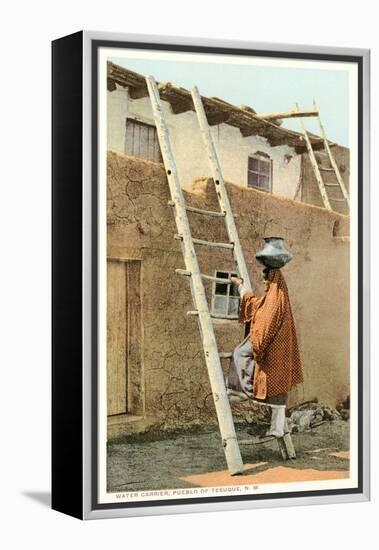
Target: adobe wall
<point>233,149</point>
<point>141,225</point>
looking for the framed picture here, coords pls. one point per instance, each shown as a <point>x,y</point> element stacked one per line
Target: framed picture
<point>210,275</point>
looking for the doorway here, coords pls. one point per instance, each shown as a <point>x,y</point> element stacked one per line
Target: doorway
<point>125,383</point>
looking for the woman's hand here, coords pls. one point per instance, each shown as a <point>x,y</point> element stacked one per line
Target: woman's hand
<point>236,280</point>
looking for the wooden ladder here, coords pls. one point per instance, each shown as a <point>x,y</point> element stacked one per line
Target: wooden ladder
<point>192,269</point>
<point>333,168</point>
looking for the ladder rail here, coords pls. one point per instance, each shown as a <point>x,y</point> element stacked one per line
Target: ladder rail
<point>315,166</point>
<point>221,191</point>
<point>332,159</point>
<point>216,378</point>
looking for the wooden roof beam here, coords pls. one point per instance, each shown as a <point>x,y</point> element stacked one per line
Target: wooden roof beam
<point>288,114</point>
<point>125,77</point>
<point>301,147</point>
<point>217,110</point>
<point>254,129</point>
<point>137,93</point>
<point>215,117</point>
<point>248,131</point>
<point>248,109</point>
<point>111,85</point>
<point>179,99</point>
<point>179,107</point>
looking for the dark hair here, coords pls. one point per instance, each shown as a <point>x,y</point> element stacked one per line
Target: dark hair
<point>266,273</point>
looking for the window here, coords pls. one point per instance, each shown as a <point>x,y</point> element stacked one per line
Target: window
<point>142,141</point>
<point>225,297</point>
<point>259,172</point>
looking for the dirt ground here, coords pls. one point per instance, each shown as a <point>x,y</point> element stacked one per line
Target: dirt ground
<point>179,460</point>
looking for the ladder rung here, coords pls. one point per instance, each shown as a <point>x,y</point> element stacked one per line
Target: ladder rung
<point>205,212</point>
<point>331,184</point>
<point>207,277</point>
<point>183,272</point>
<point>201,211</point>
<point>225,354</point>
<point>223,317</point>
<point>195,313</point>
<point>207,243</point>
<point>337,200</point>
<point>326,169</point>
<point>216,279</point>
<point>214,245</point>
<point>203,276</point>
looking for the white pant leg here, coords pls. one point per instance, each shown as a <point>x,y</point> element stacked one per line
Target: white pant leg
<point>278,418</point>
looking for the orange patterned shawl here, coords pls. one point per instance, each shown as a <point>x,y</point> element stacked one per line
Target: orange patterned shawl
<point>273,336</point>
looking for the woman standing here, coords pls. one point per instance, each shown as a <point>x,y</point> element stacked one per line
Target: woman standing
<point>266,365</point>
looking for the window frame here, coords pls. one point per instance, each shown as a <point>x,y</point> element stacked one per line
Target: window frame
<point>260,157</point>
<point>227,296</point>
<point>148,124</point>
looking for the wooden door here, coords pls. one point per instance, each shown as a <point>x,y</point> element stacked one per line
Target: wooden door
<point>117,331</point>
<point>125,388</point>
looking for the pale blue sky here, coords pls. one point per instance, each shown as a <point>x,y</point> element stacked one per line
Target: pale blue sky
<point>266,89</point>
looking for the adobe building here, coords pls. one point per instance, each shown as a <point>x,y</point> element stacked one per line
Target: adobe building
<point>254,152</point>
<point>156,372</point>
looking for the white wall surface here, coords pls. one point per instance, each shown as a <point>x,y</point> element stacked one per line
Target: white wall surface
<point>189,150</point>
<point>27,28</point>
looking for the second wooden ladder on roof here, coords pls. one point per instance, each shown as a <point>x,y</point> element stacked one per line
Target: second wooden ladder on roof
<point>192,269</point>
<point>333,168</point>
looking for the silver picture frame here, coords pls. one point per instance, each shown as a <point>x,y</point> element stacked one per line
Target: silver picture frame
<point>75,482</point>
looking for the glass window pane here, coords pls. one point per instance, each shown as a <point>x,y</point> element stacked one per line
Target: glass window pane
<point>219,305</point>
<point>233,306</point>
<point>221,289</point>
<point>253,164</point>
<point>234,291</point>
<point>233,288</point>
<point>252,179</point>
<point>264,167</point>
<point>264,183</point>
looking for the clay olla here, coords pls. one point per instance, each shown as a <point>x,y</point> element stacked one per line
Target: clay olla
<point>274,254</point>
